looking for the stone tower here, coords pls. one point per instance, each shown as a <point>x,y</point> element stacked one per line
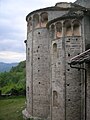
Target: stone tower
<point>55,91</point>
<point>37,65</point>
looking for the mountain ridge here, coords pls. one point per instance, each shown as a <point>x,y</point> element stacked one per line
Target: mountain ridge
<point>6,67</point>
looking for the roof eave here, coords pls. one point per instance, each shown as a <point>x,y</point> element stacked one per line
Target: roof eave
<point>81,58</point>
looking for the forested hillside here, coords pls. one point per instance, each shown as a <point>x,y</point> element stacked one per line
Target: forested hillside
<point>13,82</point>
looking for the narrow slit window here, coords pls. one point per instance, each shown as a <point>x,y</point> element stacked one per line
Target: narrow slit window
<point>55,50</point>
<point>55,98</point>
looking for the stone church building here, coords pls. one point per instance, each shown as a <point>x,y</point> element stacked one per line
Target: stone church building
<point>58,62</point>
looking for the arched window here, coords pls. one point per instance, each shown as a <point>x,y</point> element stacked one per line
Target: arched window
<point>76,28</point>
<point>55,50</point>
<point>67,28</point>
<point>58,29</point>
<point>44,19</point>
<point>52,29</point>
<point>36,21</point>
<point>55,98</point>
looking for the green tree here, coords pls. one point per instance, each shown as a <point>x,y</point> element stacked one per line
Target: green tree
<point>14,81</point>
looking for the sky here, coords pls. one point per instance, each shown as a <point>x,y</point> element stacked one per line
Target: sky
<point>13,26</point>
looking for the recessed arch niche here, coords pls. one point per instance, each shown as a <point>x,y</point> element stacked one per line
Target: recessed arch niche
<point>52,29</point>
<point>29,24</point>
<point>76,28</point>
<point>67,28</point>
<point>58,29</point>
<point>36,21</point>
<point>44,19</point>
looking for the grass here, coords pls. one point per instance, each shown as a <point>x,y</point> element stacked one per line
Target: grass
<point>11,108</point>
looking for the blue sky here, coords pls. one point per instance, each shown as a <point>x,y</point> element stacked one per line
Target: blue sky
<point>13,26</point>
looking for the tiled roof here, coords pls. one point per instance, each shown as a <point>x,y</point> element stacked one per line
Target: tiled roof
<point>81,58</point>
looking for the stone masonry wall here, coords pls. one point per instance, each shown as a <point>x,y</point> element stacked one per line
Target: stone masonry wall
<point>73,46</point>
<point>29,72</point>
<point>41,73</point>
<point>86,25</point>
<point>58,100</point>
<point>88,91</point>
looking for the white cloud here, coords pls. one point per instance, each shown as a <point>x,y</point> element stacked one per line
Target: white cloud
<point>8,56</point>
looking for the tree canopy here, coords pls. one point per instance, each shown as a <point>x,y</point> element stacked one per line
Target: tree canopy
<point>13,82</point>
